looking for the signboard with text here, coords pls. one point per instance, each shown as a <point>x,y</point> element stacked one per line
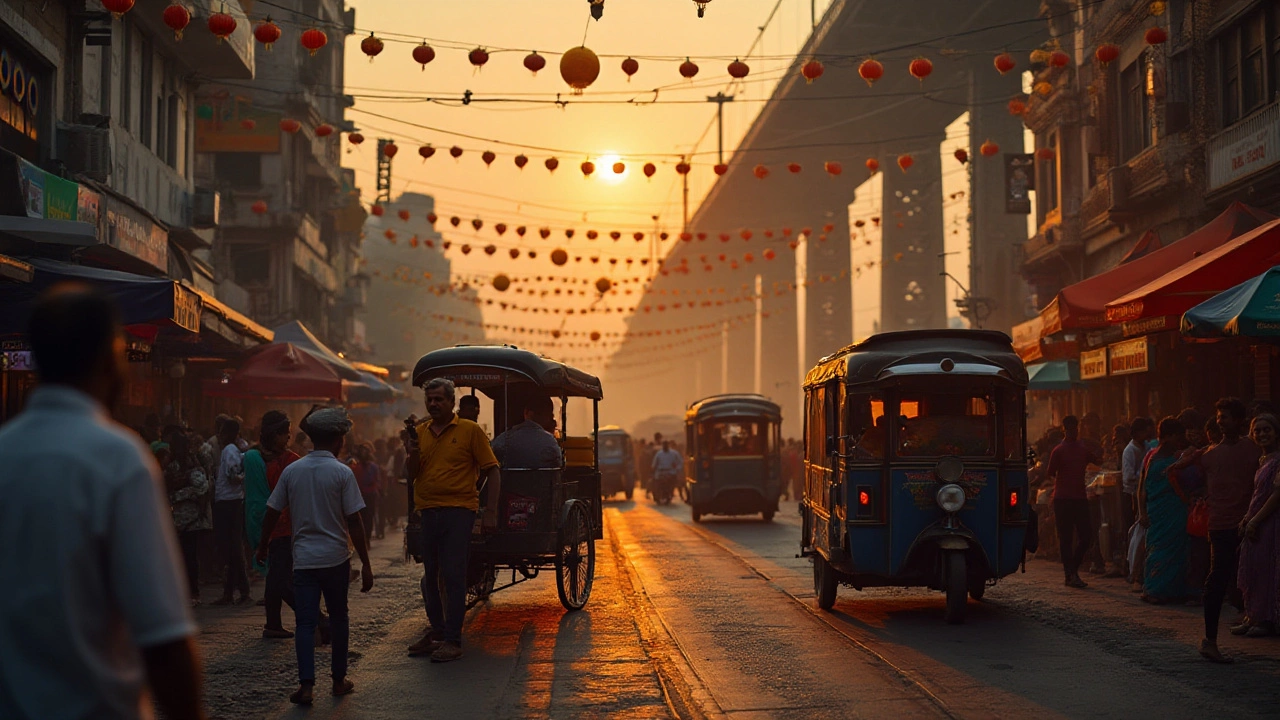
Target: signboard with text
<point>1244,148</point>
<point>1019,181</point>
<point>130,231</point>
<point>1129,357</point>
<point>1093,364</point>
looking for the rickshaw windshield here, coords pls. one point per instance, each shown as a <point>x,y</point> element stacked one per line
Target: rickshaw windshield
<point>951,421</point>
<point>611,446</point>
<point>734,438</point>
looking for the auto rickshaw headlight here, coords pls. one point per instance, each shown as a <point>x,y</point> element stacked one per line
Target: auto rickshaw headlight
<point>951,497</point>
<point>949,470</point>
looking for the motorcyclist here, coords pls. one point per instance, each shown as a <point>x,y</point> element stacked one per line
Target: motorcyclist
<point>667,465</point>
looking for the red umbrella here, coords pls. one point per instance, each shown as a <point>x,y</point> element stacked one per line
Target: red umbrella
<point>281,371</point>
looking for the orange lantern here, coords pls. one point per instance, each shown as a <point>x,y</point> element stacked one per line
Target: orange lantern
<point>424,54</point>
<point>377,211</point>
<point>595,335</point>
<point>371,46</point>
<point>1156,36</point>
<point>426,151</point>
<point>688,69</point>
<point>478,57</point>
<point>559,256</point>
<point>221,25</point>
<point>313,39</point>
<point>724,237</point>
<point>619,168</point>
<point>738,69</point>
<point>604,285</point>
<point>630,67</point>
<point>650,169</point>
<point>904,162</point>
<point>588,167</point>
<point>871,70</point>
<point>686,236</point>
<point>501,282</point>
<point>390,235</point>
<point>579,67</point>
<point>920,68</point>
<point>177,17</point>
<point>1044,88</point>
<point>259,207</point>
<point>988,148</point>
<point>761,172</point>
<point>1017,106</point>
<point>745,234</point>
<point>488,157</point>
<point>533,62</point>
<point>828,228</point>
<point>811,70</point>
<point>1107,53</point>
<point>769,254</point>
<point>833,168</point>
<point>720,169</point>
<point>551,164</point>
<point>514,253</point>
<point>794,168</point>
<point>290,125</point>
<point>390,150</point>
<point>404,215</point>
<point>1005,62</point>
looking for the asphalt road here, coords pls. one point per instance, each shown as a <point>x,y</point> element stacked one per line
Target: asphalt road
<point>718,619</point>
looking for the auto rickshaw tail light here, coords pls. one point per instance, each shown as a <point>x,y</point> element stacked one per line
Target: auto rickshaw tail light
<point>1013,499</point>
<point>866,508</point>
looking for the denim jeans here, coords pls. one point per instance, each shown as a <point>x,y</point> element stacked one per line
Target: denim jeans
<point>446,534</point>
<point>308,586</point>
<point>1224,550</point>
<point>1072,518</point>
<point>228,531</point>
<point>279,587</point>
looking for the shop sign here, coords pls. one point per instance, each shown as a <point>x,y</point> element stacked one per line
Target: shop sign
<point>130,231</point>
<point>186,308</point>
<point>15,344</point>
<point>138,350</point>
<point>1129,357</point>
<point>21,93</point>
<point>1093,364</point>
<point>61,198</point>
<point>88,205</point>
<point>1146,326</point>
<point>18,361</point>
<point>1019,181</point>
<point>221,127</point>
<point>1245,148</point>
<point>32,179</point>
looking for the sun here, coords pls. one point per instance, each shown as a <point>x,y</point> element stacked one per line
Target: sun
<point>607,174</point>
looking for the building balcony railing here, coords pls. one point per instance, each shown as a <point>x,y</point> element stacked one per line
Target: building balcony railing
<point>199,49</point>
<point>1248,147</point>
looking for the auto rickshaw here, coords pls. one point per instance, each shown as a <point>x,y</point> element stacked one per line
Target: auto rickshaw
<point>547,517</point>
<point>617,462</point>
<point>915,463</point>
<point>734,462</point>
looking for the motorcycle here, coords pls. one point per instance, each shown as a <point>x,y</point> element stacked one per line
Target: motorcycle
<point>664,488</point>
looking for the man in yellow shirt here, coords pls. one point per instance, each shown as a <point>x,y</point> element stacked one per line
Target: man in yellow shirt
<point>449,455</point>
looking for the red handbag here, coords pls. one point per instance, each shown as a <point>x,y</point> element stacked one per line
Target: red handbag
<point>1198,519</point>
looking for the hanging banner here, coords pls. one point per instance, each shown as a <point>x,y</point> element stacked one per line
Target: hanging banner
<point>1129,357</point>
<point>1093,364</point>
<point>1019,181</point>
<point>131,231</point>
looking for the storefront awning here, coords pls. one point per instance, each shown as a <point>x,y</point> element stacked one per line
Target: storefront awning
<point>1250,309</point>
<point>281,371</point>
<point>14,270</point>
<point>298,334</point>
<point>370,390</point>
<point>1055,375</point>
<point>1083,305</point>
<point>1201,277</point>
<point>227,322</point>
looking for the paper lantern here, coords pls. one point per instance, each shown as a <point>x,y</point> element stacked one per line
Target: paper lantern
<point>478,57</point>
<point>871,70</point>
<point>724,237</point>
<point>371,46</point>
<point>221,25</point>
<point>811,70</point>
<point>501,282</point>
<point>702,236</point>
<point>118,7</point>
<point>873,166</point>
<point>488,157</point>
<point>313,39</point>
<point>1106,53</point>
<point>177,17</point>
<point>426,151</point>
<point>619,168</point>
<point>477,224</point>
<point>688,69</point>
<point>390,150</point>
<point>745,234</point>
<point>828,228</point>
<point>962,155</point>
<point>579,67</point>
<point>786,232</point>
<point>389,234</point>
<point>377,210</point>
<point>521,230</point>
<point>588,167</point>
<point>833,168</point>
<point>423,54</point>
<point>595,335</point>
<point>559,256</point>
<point>1017,106</point>
<point>720,168</point>
<point>490,249</point>
<point>988,148</point>
<point>1046,154</point>
<point>500,228</point>
<point>404,215</point>
<point>544,232</point>
<point>683,167</point>
<point>323,130</point>
<point>793,168</point>
<point>533,62</point>
<point>455,221</point>
<point>568,233</point>
<point>259,207</point>
<point>650,169</point>
<point>604,285</point>
<point>1004,63</point>
<point>686,236</point>
<point>904,162</point>
<point>521,161</point>
<point>514,253</point>
<point>466,249</point>
<point>1057,58</point>
<point>738,69</point>
<point>920,68</point>
<point>1156,36</point>
<point>456,152</point>
<point>290,125</point>
<point>355,138</point>
<point>551,164</point>
<point>769,254</point>
<point>761,172</point>
<point>630,67</point>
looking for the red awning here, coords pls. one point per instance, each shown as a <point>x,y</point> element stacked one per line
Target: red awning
<point>281,371</point>
<point>1083,305</point>
<point>1202,277</point>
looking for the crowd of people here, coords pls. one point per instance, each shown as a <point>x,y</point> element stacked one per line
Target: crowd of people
<point>1196,521</point>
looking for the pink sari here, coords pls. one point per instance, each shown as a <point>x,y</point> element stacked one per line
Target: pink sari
<point>1259,574</point>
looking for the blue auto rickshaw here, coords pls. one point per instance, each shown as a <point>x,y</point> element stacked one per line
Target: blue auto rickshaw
<point>734,462</point>
<point>617,462</point>
<point>915,465</point>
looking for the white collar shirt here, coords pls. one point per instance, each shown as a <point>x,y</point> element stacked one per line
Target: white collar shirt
<point>230,464</point>
<point>320,492</point>
<point>667,461</point>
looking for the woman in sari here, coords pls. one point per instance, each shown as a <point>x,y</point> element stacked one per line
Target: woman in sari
<point>1259,573</point>
<point>1163,508</point>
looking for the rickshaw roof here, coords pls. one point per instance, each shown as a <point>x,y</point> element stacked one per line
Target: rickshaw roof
<point>986,353</point>
<point>734,405</point>
<point>485,367</point>
<point>613,430</point>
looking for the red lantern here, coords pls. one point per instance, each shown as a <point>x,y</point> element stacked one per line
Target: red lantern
<point>786,232</point>
<point>724,237</point>
<point>920,68</point>
<point>686,236</point>
<point>828,228</point>
<point>811,70</point>
<point>177,17</point>
<point>220,24</point>
<point>559,256</point>
<point>720,169</point>
<point>738,69</point>
<point>588,167</point>
<point>682,167</point>
<point>794,168</point>
<point>426,151</point>
<point>761,172</point>
<point>266,32</point>
<point>371,46</point>
<point>551,164</point>
<point>477,224</point>
<point>390,150</point>
<point>873,166</point>
<point>988,148</point>
<point>769,254</point>
<point>1106,53</point>
<point>745,234</point>
<point>514,253</point>
<point>905,162</point>
<point>833,168</point>
<point>490,249</point>
<point>248,124</point>
<point>390,234</point>
<point>637,236</point>
<point>1046,154</point>
<point>118,7</point>
<point>323,130</point>
<point>424,54</point>
<point>500,228</point>
<point>615,235</point>
<point>871,70</point>
<point>630,67</point>
<point>488,157</point>
<point>355,138</point>
<point>650,169</point>
<point>456,152</point>
<point>478,57</point>
<point>1057,58</point>
<point>702,236</point>
<point>688,69</point>
<point>545,233</point>
<point>521,161</point>
<point>466,249</point>
<point>432,218</point>
<point>1005,63</point>
<point>404,215</point>
<point>1017,106</point>
<point>619,168</point>
<point>533,62</point>
<point>290,125</point>
<point>962,155</point>
<point>313,39</point>
<point>259,207</point>
<point>568,233</point>
<point>1156,36</point>
<point>592,234</point>
<point>377,210</point>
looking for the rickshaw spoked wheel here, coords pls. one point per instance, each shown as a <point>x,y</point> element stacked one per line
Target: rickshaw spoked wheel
<point>575,557</point>
<point>825,583</point>
<point>957,586</point>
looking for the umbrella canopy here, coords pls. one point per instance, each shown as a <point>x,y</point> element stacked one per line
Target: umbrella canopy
<point>1250,309</point>
<point>1055,375</point>
<point>1201,278</point>
<point>281,371</point>
<point>369,389</point>
<point>297,334</point>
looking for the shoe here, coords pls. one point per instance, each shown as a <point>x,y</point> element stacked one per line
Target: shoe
<point>343,687</point>
<point>1075,582</point>
<point>223,601</point>
<point>276,634</point>
<point>447,652</point>
<point>429,643</point>
<point>244,599</point>
<point>1242,628</point>
<point>303,695</point>
<point>1260,631</point>
<point>1209,651</point>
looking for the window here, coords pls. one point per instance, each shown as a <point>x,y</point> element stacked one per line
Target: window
<point>1011,419</point>
<point>146,96</point>
<point>239,169</point>
<point>865,426</point>
<point>612,446</point>
<point>1247,63</point>
<point>735,439</point>
<point>815,432</point>
<point>1135,113</point>
<point>955,422</point>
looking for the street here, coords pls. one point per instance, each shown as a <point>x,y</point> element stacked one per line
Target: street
<point>717,619</point>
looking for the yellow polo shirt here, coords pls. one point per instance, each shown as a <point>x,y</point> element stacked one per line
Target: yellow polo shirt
<point>451,463</point>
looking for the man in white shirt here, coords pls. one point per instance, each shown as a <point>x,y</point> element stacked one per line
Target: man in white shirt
<point>1141,430</point>
<point>324,504</point>
<point>228,513</point>
<point>95,609</point>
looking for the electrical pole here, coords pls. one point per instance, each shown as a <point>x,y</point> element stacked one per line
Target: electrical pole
<point>759,359</point>
<point>720,99</point>
<point>724,358</point>
<point>653,249</point>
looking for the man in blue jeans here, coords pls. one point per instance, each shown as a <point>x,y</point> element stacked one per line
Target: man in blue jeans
<point>324,504</point>
<point>448,456</point>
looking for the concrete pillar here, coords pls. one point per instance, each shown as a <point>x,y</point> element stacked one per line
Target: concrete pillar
<point>912,232</point>
<point>830,325</point>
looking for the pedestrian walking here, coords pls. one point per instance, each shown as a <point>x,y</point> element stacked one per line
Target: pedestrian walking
<point>189,489</point>
<point>445,458</point>
<point>263,466</point>
<point>1163,507</point>
<point>1067,465</point>
<point>369,478</point>
<point>1259,574</point>
<point>228,514</point>
<point>324,506</point>
<point>95,618</point>
<point>1141,429</point>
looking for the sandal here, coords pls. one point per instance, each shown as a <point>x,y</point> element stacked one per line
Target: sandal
<point>1209,651</point>
<point>343,687</point>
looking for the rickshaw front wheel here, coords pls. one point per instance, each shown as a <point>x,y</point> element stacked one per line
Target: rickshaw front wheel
<point>575,557</point>
<point>824,582</point>
<point>957,585</point>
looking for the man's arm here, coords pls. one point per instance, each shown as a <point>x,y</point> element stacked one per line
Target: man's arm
<point>493,488</point>
<point>268,526</point>
<point>173,672</point>
<point>355,526</point>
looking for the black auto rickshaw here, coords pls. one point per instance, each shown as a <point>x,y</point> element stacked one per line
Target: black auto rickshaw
<point>916,471</point>
<point>547,517</point>
<point>617,462</point>
<point>734,456</point>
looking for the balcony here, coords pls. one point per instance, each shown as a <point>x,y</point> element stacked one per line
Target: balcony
<point>1244,149</point>
<point>230,59</point>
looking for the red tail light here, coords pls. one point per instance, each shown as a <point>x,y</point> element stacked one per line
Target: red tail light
<point>1013,498</point>
<point>864,498</point>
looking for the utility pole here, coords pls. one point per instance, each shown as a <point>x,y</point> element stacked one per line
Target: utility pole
<point>813,12</point>
<point>720,99</point>
<point>684,180</point>
<point>724,358</point>
<point>653,249</point>
<point>759,334</point>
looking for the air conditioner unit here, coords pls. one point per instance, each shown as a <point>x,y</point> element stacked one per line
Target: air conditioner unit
<point>85,150</point>
<point>206,208</point>
<point>1118,184</point>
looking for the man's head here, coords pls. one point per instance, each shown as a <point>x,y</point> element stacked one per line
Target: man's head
<point>274,435</point>
<point>1193,425</point>
<point>1141,429</point>
<point>327,428</point>
<point>666,445</point>
<point>1231,414</point>
<point>440,396</point>
<point>364,452</point>
<point>469,408</point>
<point>76,341</point>
<point>1091,426</point>
<point>540,409</point>
<point>1172,432</point>
<point>657,438</point>
<point>1071,427</point>
<point>228,431</point>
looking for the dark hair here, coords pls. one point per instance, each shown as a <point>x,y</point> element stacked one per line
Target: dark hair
<point>1140,425</point>
<point>229,426</point>
<point>1171,426</point>
<point>1070,422</point>
<point>72,329</point>
<point>538,402</point>
<point>1233,407</point>
<point>1191,419</point>
<point>274,422</point>
<point>469,400</point>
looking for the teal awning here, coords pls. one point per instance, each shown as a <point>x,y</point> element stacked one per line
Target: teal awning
<point>1054,375</point>
<point>1250,309</point>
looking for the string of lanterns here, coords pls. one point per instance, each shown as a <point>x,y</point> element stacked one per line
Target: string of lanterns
<point>557,334</point>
